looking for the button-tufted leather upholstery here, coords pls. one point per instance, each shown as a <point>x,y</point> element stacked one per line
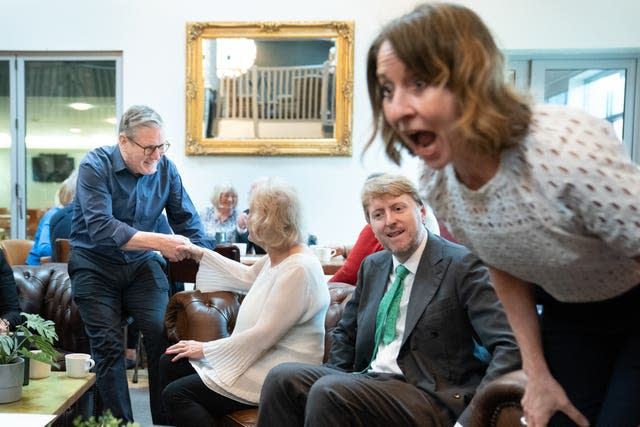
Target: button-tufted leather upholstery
<point>46,290</point>
<point>498,404</point>
<point>207,316</point>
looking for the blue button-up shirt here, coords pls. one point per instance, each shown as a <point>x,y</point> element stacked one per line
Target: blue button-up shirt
<point>112,204</point>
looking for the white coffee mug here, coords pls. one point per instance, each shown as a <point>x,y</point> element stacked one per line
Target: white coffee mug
<point>78,364</point>
<point>324,253</point>
<point>242,247</point>
<point>37,369</point>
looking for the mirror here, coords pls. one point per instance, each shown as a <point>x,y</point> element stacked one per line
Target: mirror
<point>270,88</point>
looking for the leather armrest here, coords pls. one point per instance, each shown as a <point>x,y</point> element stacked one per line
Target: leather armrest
<point>498,403</point>
<point>201,316</point>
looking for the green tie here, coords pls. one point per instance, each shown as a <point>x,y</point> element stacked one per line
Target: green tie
<point>388,311</point>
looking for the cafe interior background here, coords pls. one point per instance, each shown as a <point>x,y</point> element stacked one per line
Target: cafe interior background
<point>146,40</point>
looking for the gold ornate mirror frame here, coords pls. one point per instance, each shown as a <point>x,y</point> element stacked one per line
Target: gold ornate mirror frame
<point>201,141</point>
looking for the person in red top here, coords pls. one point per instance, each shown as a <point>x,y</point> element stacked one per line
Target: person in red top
<point>364,246</point>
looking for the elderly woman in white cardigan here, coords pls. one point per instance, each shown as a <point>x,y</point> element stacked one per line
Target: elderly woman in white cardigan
<point>281,318</point>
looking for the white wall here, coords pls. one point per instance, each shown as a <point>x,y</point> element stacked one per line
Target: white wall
<point>151,35</point>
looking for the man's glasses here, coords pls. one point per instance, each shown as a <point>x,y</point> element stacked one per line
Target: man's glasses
<point>148,151</point>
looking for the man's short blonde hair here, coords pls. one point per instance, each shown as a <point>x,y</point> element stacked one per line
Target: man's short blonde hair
<point>386,185</point>
<point>275,215</point>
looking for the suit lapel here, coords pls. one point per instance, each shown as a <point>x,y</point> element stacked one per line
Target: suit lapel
<point>426,283</point>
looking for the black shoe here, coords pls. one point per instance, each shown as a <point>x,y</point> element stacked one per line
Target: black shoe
<point>131,364</point>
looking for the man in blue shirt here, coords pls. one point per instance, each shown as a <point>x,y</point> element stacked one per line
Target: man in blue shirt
<point>122,190</point>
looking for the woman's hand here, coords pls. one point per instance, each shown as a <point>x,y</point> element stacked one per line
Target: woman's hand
<point>543,397</point>
<point>190,250</point>
<point>191,349</point>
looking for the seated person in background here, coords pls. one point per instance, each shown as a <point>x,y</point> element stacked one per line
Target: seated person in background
<point>9,305</point>
<point>60,224</point>
<point>243,232</point>
<point>281,318</point>
<point>407,349</point>
<point>43,239</point>
<point>220,219</point>
<point>367,244</point>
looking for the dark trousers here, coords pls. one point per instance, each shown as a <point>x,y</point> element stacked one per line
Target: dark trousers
<point>187,400</point>
<point>593,351</point>
<point>296,394</point>
<point>105,293</point>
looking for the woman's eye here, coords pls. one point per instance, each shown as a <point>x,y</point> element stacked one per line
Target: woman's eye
<point>420,84</point>
<point>385,91</point>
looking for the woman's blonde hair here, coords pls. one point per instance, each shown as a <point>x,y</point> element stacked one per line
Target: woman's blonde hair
<point>275,215</point>
<point>219,190</point>
<point>67,190</point>
<point>449,46</point>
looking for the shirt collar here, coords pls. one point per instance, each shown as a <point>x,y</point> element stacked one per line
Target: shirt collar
<point>412,263</point>
<point>117,159</point>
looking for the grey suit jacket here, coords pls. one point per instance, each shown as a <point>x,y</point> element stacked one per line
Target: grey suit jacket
<point>452,307</point>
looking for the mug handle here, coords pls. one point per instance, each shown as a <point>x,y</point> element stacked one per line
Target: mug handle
<point>333,253</point>
<point>91,363</point>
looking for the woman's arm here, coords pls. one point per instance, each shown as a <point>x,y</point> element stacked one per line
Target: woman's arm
<point>289,300</point>
<point>543,395</point>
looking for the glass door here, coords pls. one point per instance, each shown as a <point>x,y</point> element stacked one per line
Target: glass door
<point>64,106</point>
<point>6,138</point>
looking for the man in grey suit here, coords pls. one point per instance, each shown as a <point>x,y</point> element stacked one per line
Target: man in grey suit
<point>421,368</point>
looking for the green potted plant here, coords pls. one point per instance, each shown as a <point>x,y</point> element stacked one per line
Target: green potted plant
<point>34,333</point>
<point>105,420</point>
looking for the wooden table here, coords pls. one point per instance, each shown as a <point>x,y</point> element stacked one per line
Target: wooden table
<point>52,395</point>
<point>329,268</point>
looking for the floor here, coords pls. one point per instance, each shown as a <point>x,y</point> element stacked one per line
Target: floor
<point>140,398</point>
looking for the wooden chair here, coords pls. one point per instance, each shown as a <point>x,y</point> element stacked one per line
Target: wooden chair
<point>61,249</point>
<point>16,250</point>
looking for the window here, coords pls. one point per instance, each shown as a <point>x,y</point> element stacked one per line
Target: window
<point>603,84</point>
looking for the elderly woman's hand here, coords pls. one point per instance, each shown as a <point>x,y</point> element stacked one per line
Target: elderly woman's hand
<point>190,250</point>
<point>186,348</point>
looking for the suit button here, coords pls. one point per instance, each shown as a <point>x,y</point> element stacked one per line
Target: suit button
<point>457,396</point>
<point>434,334</point>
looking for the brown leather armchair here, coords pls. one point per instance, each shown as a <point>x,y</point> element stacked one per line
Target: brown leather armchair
<point>498,404</point>
<point>206,316</point>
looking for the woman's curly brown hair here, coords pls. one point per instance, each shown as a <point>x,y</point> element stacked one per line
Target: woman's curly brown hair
<point>449,46</point>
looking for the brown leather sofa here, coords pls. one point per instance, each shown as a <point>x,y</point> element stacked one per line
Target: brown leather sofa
<point>206,316</point>
<point>46,290</point>
<point>498,404</point>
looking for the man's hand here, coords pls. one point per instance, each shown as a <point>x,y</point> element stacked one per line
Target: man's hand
<point>190,251</point>
<point>170,244</point>
<point>191,349</point>
<point>543,397</point>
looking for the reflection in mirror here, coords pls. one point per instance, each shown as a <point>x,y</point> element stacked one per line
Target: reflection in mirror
<point>269,89</point>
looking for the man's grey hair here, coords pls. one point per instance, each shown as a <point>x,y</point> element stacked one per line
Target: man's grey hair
<point>138,116</point>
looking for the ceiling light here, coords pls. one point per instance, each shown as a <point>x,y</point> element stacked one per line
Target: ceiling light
<point>75,130</point>
<point>80,106</point>
<point>111,120</point>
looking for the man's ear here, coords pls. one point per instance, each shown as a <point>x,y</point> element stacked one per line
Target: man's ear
<point>122,140</point>
<point>423,214</point>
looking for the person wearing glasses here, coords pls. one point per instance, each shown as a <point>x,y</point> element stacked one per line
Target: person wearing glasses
<point>121,192</point>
